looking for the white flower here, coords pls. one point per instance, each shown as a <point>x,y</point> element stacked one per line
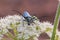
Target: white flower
<point>24,30</point>
<point>35,38</point>
<point>47,28</point>
<point>1,36</point>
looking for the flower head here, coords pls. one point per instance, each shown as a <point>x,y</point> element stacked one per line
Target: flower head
<point>22,30</point>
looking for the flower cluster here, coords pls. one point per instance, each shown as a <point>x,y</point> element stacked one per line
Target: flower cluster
<point>21,29</point>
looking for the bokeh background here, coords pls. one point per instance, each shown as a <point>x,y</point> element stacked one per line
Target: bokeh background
<point>45,10</point>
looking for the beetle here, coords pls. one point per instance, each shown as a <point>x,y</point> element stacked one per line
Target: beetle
<point>27,16</point>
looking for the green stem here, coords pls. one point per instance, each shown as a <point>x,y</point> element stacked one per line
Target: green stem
<point>57,37</point>
<point>56,22</point>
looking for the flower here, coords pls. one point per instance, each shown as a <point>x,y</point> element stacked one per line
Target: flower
<point>1,37</point>
<point>22,30</point>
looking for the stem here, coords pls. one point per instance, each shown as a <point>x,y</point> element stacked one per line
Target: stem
<point>57,37</point>
<point>56,22</point>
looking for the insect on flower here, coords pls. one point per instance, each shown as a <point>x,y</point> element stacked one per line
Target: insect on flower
<point>27,16</point>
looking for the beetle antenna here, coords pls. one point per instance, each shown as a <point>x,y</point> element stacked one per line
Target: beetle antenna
<point>17,11</point>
